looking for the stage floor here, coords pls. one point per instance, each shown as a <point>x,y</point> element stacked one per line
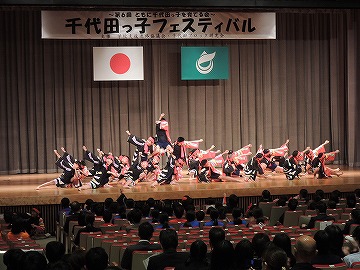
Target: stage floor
<point>21,189</point>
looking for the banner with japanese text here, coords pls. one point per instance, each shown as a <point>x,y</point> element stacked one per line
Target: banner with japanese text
<point>204,63</point>
<point>157,25</point>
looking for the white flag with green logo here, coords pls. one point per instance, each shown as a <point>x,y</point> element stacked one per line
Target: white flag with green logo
<point>204,63</point>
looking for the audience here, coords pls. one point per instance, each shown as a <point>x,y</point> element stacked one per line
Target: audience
<point>244,255</point>
<point>145,232</point>
<point>304,252</point>
<point>54,251</point>
<point>275,258</point>
<point>337,240</point>
<point>170,257</point>
<point>354,257</point>
<point>96,259</point>
<point>89,227</point>
<point>214,216</point>
<point>321,215</point>
<point>223,256</point>
<point>12,258</point>
<point>197,259</point>
<point>283,241</point>
<point>323,244</point>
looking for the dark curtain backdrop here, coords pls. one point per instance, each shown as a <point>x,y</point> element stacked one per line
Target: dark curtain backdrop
<point>303,86</point>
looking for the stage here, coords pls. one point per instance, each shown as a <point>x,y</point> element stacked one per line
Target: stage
<point>21,189</point>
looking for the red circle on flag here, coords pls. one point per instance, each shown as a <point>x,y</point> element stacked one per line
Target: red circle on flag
<point>120,63</point>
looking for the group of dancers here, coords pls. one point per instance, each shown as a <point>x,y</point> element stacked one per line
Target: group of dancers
<point>205,166</point>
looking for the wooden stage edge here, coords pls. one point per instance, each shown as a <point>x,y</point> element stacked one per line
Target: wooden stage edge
<point>20,189</point>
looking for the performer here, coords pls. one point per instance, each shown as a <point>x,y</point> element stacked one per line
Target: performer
<point>310,154</point>
<point>70,167</point>
<point>102,171</point>
<point>180,146</point>
<point>145,147</point>
<point>208,172</point>
<point>162,137</point>
<point>136,173</point>
<point>166,174</point>
<point>193,162</point>
<point>253,168</point>
<point>321,169</point>
<point>292,167</point>
<point>268,163</point>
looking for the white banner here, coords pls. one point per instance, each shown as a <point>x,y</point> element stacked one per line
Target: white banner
<point>118,63</point>
<point>157,25</point>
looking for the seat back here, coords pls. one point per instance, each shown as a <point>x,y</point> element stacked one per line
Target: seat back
<point>139,259</point>
<point>355,265</point>
<point>339,266</point>
<point>304,220</point>
<point>276,212</point>
<point>266,208</point>
<point>302,207</point>
<point>291,218</point>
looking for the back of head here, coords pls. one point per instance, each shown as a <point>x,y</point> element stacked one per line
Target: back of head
<point>244,252</point>
<point>107,216</point>
<point>134,216</point>
<point>266,194</point>
<point>323,242</point>
<point>146,231</point>
<point>12,258</point>
<point>179,211</point>
<point>336,236</point>
<point>150,202</point>
<point>168,239</point>
<point>65,202</point>
<point>89,219</point>
<point>356,234</point>
<point>54,251</point>
<point>304,193</point>
<point>237,213</point>
<point>321,207</point>
<point>216,235</point>
<point>292,204</point>
<point>33,260</point>
<point>233,201</point>
<point>75,207</point>
<point>198,250</point>
<point>190,216</point>
<point>275,258</point>
<point>108,202</point>
<point>130,203</point>
<point>283,241</point>
<point>305,248</point>
<point>77,259</point>
<point>331,204</point>
<point>223,255</point>
<point>200,215</point>
<point>259,242</point>
<point>96,259</point>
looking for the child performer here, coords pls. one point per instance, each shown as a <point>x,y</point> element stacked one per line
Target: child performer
<point>70,167</point>
<point>102,171</point>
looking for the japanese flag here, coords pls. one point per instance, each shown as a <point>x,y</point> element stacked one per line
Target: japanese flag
<point>118,63</point>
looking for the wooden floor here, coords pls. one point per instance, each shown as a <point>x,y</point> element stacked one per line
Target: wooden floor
<point>21,189</point>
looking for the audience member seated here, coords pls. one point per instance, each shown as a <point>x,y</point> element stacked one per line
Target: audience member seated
<point>323,256</point>
<point>35,226</point>
<point>304,252</point>
<point>88,205</point>
<point>354,257</point>
<point>283,241</point>
<point>232,202</point>
<point>170,257</point>
<point>265,196</point>
<point>337,240</point>
<point>33,260</point>
<point>197,259</point>
<point>74,215</point>
<point>134,217</point>
<point>107,217</point>
<point>223,256</point>
<point>355,219</point>
<point>237,214</point>
<point>322,216</point>
<point>350,245</point>
<point>244,255</point>
<point>76,259</point>
<point>260,242</point>
<point>292,205</point>
<point>145,232</point>
<point>96,259</point>
<point>12,258</point>
<point>54,251</point>
<point>214,215</point>
<point>200,215</point>
<point>64,208</point>
<point>17,229</point>
<point>303,195</point>
<point>89,220</point>
<point>257,218</point>
<point>164,222</point>
<point>274,258</point>
<point>179,212</point>
<point>190,220</point>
